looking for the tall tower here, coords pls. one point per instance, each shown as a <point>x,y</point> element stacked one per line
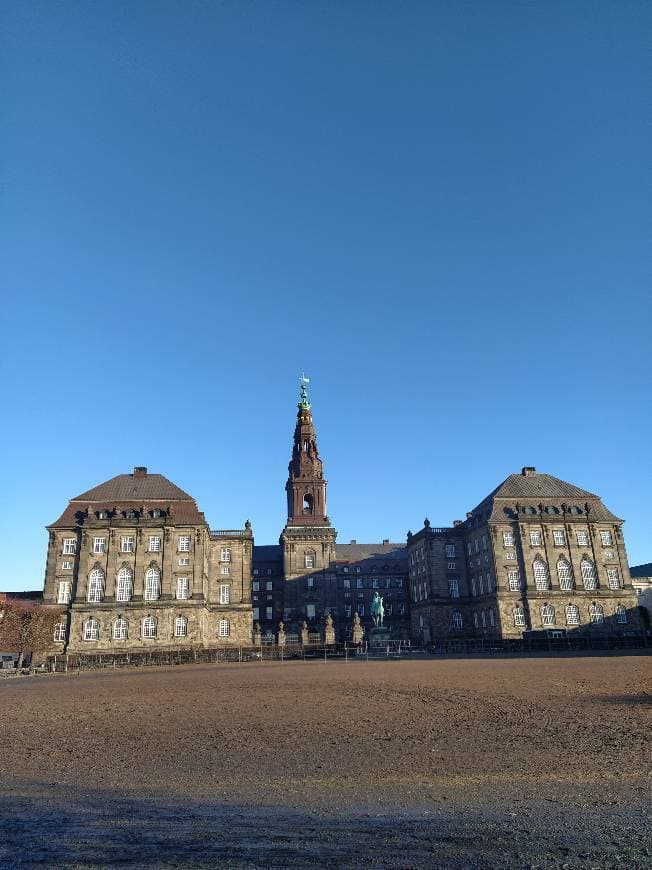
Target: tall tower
<point>308,539</point>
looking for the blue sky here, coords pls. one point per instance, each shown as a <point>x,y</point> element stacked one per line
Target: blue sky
<point>439,211</point>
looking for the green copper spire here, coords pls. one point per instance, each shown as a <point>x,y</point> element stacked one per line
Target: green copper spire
<point>304,404</point>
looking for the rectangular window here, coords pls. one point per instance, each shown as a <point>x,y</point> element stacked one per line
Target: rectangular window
<point>535,539</point>
<point>256,613</point>
<point>154,544</point>
<point>184,543</point>
<point>450,551</point>
<point>225,593</point>
<point>519,616</point>
<point>613,578</point>
<point>360,583</point>
<point>360,609</point>
<point>605,537</point>
<point>255,572</point>
<point>269,613</point>
<point>224,628</point>
<point>182,588</point>
<point>582,539</point>
<point>127,544</point>
<point>183,561</point>
<point>514,580</point>
<point>347,583</point>
<point>345,570</point>
<point>358,569</point>
<point>99,545</point>
<point>477,545</point>
<point>310,611</point>
<point>269,585</point>
<point>481,585</point>
<point>558,537</point>
<point>225,569</point>
<point>473,592</point>
<point>490,585</point>
<point>67,566</point>
<point>508,539</point>
<point>469,549</point>
<point>64,592</point>
<point>225,555</point>
<point>310,560</point>
<point>484,542</point>
<point>310,582</point>
<point>70,546</point>
<point>511,555</point>
<point>347,610</point>
<point>452,566</point>
<point>374,583</point>
<point>256,585</point>
<point>453,587</point>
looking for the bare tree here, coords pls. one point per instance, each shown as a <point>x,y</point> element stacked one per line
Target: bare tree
<point>26,627</point>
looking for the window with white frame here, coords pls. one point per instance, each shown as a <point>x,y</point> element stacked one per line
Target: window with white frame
<point>149,626</point>
<point>127,544</point>
<point>613,578</point>
<point>225,570</point>
<point>255,585</point>
<point>572,614</point>
<point>225,593</point>
<point>492,618</point>
<point>484,618</point>
<point>310,582</point>
<point>125,585</point>
<point>269,612</point>
<point>154,544</point>
<point>69,546</point>
<point>120,628</point>
<point>60,632</point>
<point>225,554</point>
<point>309,560</point>
<point>91,629</point>
<point>346,583</point>
<point>182,588</point>
<point>519,616</point>
<point>565,574</point>
<point>514,581</point>
<point>347,610</point>
<point>511,555</point>
<point>360,609</point>
<point>490,584</point>
<point>184,561</point>
<point>558,537</point>
<point>152,584</point>
<point>256,613</point>
<point>582,539</point>
<point>269,585</point>
<point>452,566</point>
<point>621,614</point>
<point>605,538</point>
<point>476,621</point>
<point>547,615</point>
<point>453,587</point>
<point>99,545</point>
<point>225,628</point>
<point>541,581</point>
<point>484,542</point>
<point>345,569</point>
<point>473,592</point>
<point>596,614</point>
<point>95,585</point>
<point>63,596</point>
<point>480,585</point>
<point>589,577</point>
<point>535,538</point>
<point>608,554</point>
<point>359,583</point>
<point>256,572</point>
<point>508,539</point>
<point>477,545</point>
<point>66,566</point>
<point>180,626</point>
<point>184,543</point>
<point>457,619</point>
<point>357,569</point>
<point>450,551</point>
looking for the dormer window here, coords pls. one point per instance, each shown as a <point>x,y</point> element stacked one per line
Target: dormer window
<point>131,514</point>
<point>156,513</point>
<point>102,515</point>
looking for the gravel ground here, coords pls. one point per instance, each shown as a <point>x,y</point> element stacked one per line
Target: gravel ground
<point>452,763</point>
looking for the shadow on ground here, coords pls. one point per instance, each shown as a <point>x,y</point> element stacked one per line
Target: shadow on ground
<point>46,826</point>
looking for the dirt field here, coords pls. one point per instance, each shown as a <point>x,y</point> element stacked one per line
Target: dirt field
<point>463,763</point>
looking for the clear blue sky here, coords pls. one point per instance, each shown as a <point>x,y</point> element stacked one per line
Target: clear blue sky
<point>439,210</point>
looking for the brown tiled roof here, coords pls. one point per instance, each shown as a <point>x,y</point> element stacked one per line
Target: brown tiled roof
<point>127,487</point>
<point>364,552</point>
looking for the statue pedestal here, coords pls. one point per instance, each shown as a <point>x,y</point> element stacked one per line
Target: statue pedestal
<point>378,635</point>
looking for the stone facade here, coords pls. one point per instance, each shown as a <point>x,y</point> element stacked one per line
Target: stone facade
<point>537,555</point>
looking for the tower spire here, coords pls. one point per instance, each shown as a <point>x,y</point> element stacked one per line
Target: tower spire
<point>306,487</point>
<point>304,402</point>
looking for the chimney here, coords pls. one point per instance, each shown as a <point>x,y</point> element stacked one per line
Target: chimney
<point>457,522</point>
<point>140,471</point>
<point>353,541</point>
<point>469,515</point>
<point>385,540</point>
<point>529,471</point>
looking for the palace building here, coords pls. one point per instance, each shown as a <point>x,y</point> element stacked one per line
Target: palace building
<point>136,566</point>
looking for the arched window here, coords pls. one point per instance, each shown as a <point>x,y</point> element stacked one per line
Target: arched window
<point>91,629</point>
<point>60,632</point>
<point>307,503</point>
<point>180,626</point>
<point>310,559</point>
<point>457,619</point>
<point>149,626</point>
<point>125,585</point>
<point>596,614</point>
<point>225,628</point>
<point>565,574</point>
<point>541,580</point>
<point>621,614</point>
<point>572,614</point>
<point>547,615</point>
<point>588,574</point>
<point>120,628</point>
<point>519,617</point>
<point>96,585</point>
<point>152,584</point>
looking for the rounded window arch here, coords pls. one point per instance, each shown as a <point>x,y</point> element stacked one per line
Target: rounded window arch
<point>181,626</point>
<point>91,629</point>
<point>120,628</point>
<point>458,622</point>
<point>149,626</point>
<point>519,616</point>
<point>308,504</point>
<point>95,585</point>
<point>565,574</point>
<point>152,584</point>
<point>60,632</point>
<point>572,614</point>
<point>596,614</point>
<point>125,584</point>
<point>541,578</point>
<point>224,628</point>
<point>589,577</point>
<point>547,615</point>
<point>621,614</point>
